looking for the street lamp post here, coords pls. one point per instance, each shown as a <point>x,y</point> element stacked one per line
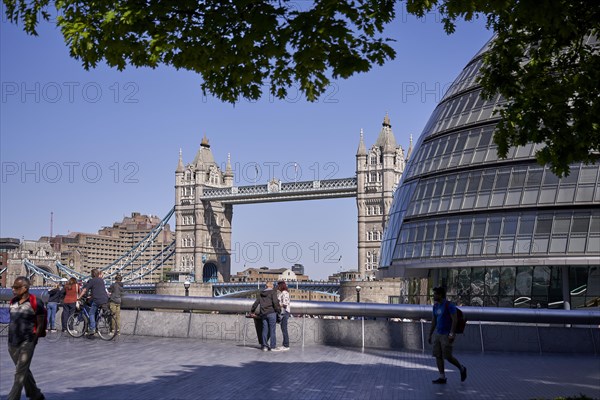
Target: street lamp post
<point>358,294</point>
<point>186,285</point>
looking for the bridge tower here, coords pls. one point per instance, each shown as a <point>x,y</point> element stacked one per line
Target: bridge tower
<point>378,172</point>
<point>203,228</point>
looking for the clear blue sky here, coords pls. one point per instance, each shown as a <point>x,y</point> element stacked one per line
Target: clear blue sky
<point>94,146</point>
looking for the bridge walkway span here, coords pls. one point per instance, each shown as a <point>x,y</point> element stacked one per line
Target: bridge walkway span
<point>141,367</point>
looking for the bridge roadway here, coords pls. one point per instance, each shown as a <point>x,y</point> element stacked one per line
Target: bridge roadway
<point>140,367</point>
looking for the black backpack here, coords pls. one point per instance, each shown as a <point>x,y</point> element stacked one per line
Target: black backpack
<point>461,321</point>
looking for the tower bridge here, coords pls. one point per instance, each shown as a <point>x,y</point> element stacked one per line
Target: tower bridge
<point>205,196</point>
<point>276,190</point>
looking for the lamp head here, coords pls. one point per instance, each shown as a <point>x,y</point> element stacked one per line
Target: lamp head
<point>186,284</point>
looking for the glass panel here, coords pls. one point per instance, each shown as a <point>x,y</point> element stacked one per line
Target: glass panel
<point>534,177</point>
<point>513,198</point>
<point>510,226</point>
<point>584,194</point>
<point>530,196</point>
<point>543,226</point>
<point>565,195</point>
<point>506,246</point>
<point>497,199</point>
<point>547,196</point>
<point>577,244</point>
<point>492,281</point>
<point>491,246</point>
<point>558,245</point>
<point>483,200</point>
<point>540,245</point>
<point>550,178</point>
<point>524,281</point>
<point>507,281</point>
<point>561,225</point>
<point>523,246</point>
<point>580,224</point>
<point>487,181</point>
<point>465,229</point>
<point>479,227</point>
<point>502,180</point>
<point>462,247</point>
<point>493,227</point>
<point>469,201</point>
<point>526,225</point>
<point>475,247</point>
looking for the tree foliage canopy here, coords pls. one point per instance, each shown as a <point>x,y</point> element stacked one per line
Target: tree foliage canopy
<point>542,60</point>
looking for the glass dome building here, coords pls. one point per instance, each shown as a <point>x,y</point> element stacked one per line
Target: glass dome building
<point>495,232</point>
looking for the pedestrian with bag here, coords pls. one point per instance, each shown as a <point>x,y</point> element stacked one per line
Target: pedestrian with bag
<point>269,308</point>
<point>54,297</point>
<point>27,320</point>
<point>70,295</point>
<point>443,334</point>
<point>114,302</point>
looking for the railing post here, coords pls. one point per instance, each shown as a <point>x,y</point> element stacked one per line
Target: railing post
<point>481,337</point>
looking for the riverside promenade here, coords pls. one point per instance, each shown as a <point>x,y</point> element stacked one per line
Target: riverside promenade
<point>141,367</point>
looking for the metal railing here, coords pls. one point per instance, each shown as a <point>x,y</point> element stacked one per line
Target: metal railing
<point>405,311</point>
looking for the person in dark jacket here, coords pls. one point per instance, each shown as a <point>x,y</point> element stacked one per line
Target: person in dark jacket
<point>114,301</point>
<point>54,297</point>
<point>269,308</point>
<point>99,296</point>
<point>23,337</point>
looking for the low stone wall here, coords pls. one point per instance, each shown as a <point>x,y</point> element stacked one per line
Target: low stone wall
<point>379,333</point>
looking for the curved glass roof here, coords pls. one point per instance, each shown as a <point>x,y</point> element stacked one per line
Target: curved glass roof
<point>460,205</point>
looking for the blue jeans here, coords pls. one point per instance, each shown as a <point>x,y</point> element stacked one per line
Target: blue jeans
<point>284,328</point>
<point>93,308</point>
<point>269,326</point>
<point>52,307</point>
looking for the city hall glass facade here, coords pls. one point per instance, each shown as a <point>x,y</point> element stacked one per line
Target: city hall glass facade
<point>495,232</point>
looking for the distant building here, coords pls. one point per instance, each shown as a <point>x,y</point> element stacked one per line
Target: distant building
<point>6,245</point>
<point>265,274</point>
<point>39,253</point>
<point>298,269</point>
<point>85,251</point>
<point>343,276</point>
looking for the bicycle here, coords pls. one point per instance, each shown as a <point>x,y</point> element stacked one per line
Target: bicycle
<point>78,323</point>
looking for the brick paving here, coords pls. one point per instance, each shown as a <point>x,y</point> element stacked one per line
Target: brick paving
<point>138,367</point>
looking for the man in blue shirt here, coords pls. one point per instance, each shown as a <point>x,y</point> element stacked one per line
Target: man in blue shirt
<point>442,334</point>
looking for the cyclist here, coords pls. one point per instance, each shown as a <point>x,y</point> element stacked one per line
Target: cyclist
<point>99,296</point>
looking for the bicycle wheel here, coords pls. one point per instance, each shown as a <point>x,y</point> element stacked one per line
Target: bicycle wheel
<point>104,323</point>
<point>77,325</point>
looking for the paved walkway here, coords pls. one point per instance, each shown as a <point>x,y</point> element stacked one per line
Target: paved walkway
<point>136,367</point>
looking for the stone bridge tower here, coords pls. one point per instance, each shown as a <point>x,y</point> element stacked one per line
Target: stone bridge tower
<point>378,172</point>
<point>203,228</point>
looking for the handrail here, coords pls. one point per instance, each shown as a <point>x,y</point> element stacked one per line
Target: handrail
<point>408,311</point>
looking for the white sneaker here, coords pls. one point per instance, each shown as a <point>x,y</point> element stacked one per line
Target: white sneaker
<point>283,348</point>
<point>276,349</point>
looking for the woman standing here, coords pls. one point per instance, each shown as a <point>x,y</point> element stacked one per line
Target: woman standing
<point>71,295</point>
<point>54,296</point>
<point>283,295</point>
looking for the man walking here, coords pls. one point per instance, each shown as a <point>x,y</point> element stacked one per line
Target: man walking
<point>23,337</point>
<point>442,334</point>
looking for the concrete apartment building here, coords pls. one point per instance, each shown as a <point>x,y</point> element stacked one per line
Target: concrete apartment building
<point>85,251</point>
